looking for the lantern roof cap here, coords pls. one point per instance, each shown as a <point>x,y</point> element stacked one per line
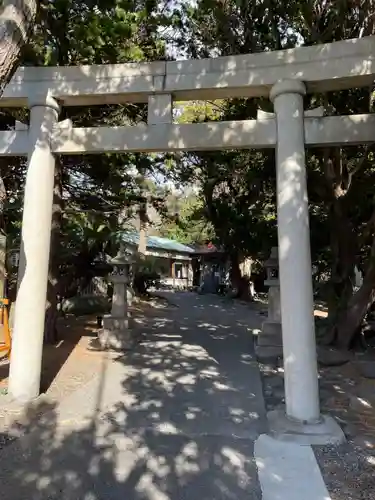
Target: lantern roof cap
<point>121,259</point>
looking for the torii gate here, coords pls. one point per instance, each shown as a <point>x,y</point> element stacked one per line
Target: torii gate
<point>284,77</point>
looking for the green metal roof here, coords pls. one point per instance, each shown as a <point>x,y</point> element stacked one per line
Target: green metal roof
<point>159,243</point>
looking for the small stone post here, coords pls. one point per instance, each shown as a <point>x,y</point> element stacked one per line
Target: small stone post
<point>116,334</point>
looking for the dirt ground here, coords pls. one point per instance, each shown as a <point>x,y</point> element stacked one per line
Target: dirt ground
<point>66,367</point>
<point>69,363</point>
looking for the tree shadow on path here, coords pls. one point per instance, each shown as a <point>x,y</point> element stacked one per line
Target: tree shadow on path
<point>187,411</point>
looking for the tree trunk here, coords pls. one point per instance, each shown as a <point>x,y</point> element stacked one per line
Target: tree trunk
<point>351,318</point>
<point>235,272</point>
<point>143,219</point>
<point>237,280</point>
<point>50,327</point>
<point>3,236</point>
<point>17,19</point>
<point>343,246</point>
<point>343,240</point>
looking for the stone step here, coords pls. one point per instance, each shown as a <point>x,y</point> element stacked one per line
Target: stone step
<point>269,354</point>
<point>271,328</point>
<point>264,339</point>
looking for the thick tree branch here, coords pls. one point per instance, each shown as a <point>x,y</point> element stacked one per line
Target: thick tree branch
<point>17,19</point>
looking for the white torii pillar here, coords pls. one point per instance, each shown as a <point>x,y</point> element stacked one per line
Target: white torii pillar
<point>297,305</point>
<point>302,420</point>
<point>27,344</point>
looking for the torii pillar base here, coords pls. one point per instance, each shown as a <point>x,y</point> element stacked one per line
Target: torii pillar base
<point>325,431</point>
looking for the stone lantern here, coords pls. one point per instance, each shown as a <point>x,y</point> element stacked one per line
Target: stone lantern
<point>116,333</point>
<point>130,253</point>
<point>271,335</point>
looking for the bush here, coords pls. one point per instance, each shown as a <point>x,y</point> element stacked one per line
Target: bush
<point>87,305</point>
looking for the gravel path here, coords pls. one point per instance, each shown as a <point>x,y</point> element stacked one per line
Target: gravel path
<point>348,471</point>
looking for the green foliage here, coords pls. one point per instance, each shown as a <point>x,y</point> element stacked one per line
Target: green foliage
<point>238,187</point>
<point>189,222</point>
<point>101,32</point>
<point>100,192</point>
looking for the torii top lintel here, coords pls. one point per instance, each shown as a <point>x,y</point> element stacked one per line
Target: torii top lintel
<point>344,64</point>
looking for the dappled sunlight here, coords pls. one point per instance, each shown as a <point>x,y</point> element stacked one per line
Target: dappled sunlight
<point>290,359</point>
<point>222,387</point>
<point>172,371</point>
<point>288,470</point>
<point>173,430</point>
<point>366,405</point>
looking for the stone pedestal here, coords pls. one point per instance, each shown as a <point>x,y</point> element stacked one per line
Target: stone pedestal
<point>324,431</point>
<point>116,334</point>
<point>271,328</point>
